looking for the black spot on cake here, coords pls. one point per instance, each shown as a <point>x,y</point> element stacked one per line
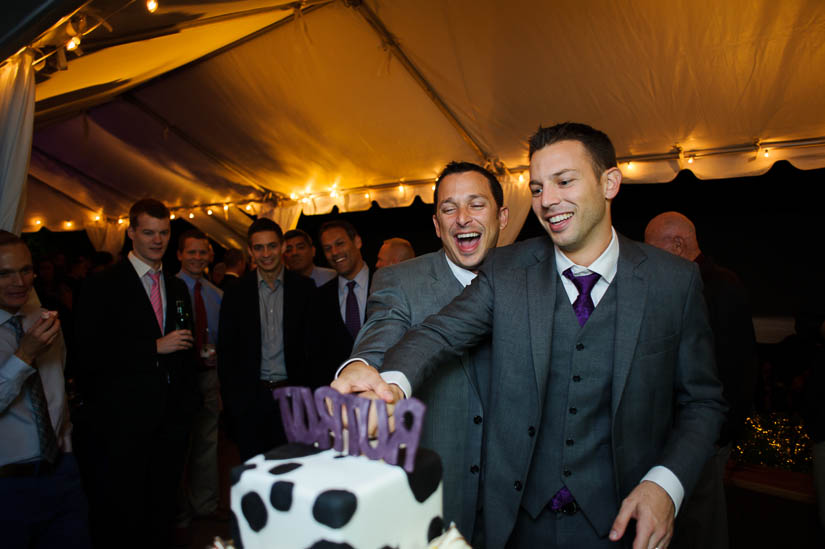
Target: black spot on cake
<point>254,511</point>
<point>284,468</point>
<point>334,508</point>
<point>293,450</point>
<point>280,496</point>
<point>235,474</point>
<point>340,456</point>
<point>426,476</point>
<point>234,531</point>
<point>436,528</point>
<point>408,420</point>
<point>324,544</point>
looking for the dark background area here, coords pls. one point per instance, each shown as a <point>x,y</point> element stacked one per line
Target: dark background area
<point>765,228</point>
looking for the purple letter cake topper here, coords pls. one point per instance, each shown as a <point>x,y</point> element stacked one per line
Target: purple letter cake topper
<point>308,420</point>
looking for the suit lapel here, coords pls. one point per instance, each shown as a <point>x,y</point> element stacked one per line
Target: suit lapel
<point>541,304</point>
<point>171,298</point>
<point>144,306</point>
<point>631,297</point>
<point>445,287</point>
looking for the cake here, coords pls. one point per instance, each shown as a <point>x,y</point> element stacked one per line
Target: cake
<point>315,494</point>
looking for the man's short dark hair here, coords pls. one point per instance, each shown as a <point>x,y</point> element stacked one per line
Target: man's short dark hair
<point>191,233</point>
<point>463,167</point>
<point>598,145</point>
<point>7,239</point>
<point>338,224</point>
<point>264,224</point>
<point>298,233</point>
<point>234,257</point>
<point>149,206</point>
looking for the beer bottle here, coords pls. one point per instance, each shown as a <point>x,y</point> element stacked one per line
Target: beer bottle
<point>182,320</point>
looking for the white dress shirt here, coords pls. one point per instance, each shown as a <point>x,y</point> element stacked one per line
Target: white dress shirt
<point>143,270</point>
<point>361,289</point>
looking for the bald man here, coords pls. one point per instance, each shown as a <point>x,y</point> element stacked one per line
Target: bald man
<point>394,251</point>
<point>703,521</point>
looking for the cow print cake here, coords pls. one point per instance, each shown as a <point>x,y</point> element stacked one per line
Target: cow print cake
<point>300,497</point>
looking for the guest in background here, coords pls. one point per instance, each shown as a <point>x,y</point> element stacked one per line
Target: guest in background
<point>218,272</point>
<point>343,300</point>
<point>42,504</point>
<point>198,495</point>
<point>702,522</point>
<point>235,268</point>
<point>137,372</point>
<point>267,340</point>
<point>393,252</point>
<point>299,257</point>
<point>101,261</point>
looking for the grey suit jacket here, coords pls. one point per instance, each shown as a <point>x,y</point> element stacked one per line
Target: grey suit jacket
<point>403,296</point>
<point>666,405</point>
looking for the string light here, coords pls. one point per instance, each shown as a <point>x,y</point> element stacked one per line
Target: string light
<point>521,178</point>
<point>68,224</point>
<point>333,194</point>
<point>248,207</point>
<point>432,187</point>
<point>401,188</point>
<point>171,216</point>
<point>690,159</point>
<point>766,153</point>
<point>367,196</point>
<point>152,6</point>
<point>630,165</point>
<point>293,196</point>
<point>225,207</point>
<point>97,218</point>
<point>37,222</point>
<point>119,221</point>
<point>72,44</point>
<point>209,211</point>
<point>191,215</point>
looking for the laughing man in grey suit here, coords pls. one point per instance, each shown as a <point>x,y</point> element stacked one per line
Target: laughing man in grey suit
<point>598,413</point>
<point>469,213</point>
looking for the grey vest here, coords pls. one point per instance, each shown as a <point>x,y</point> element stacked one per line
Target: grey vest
<point>573,446</point>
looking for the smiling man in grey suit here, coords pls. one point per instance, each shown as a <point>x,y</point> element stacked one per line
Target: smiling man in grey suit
<point>598,413</point>
<point>469,213</point>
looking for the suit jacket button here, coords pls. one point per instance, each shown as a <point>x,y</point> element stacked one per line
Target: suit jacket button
<point>531,431</point>
<point>477,420</point>
<point>573,411</point>
<point>474,469</point>
<point>517,485</point>
<point>579,346</point>
<point>567,473</point>
<point>569,442</point>
<point>577,378</point>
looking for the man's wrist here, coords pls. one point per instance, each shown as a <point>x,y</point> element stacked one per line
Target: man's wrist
<point>22,355</point>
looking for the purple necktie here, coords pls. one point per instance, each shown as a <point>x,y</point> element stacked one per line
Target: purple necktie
<point>583,306</point>
<point>353,320</point>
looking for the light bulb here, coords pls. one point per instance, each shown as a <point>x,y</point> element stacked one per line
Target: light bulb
<point>171,216</point>
<point>690,160</point>
<point>209,211</point>
<point>152,6</point>
<point>225,207</point>
<point>37,222</point>
<point>248,207</point>
<point>521,178</point>
<point>68,224</point>
<point>72,44</point>
<point>766,153</point>
<point>630,165</point>
<point>97,218</point>
<point>191,215</point>
<point>119,221</point>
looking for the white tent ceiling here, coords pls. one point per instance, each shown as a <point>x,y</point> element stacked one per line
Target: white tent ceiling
<point>340,102</point>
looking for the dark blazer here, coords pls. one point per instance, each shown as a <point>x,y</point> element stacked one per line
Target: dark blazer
<point>403,296</point>
<point>131,388</point>
<point>239,339</point>
<point>729,313</point>
<point>337,340</point>
<point>666,402</point>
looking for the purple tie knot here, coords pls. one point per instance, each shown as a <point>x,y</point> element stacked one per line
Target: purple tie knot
<point>583,306</point>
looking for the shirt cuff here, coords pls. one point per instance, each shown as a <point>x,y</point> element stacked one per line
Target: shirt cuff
<point>669,482</point>
<point>392,377</point>
<point>13,374</point>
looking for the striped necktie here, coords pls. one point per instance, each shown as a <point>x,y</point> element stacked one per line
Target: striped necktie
<point>154,297</point>
<point>40,407</point>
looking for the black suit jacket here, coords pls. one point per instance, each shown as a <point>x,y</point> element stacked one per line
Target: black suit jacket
<point>133,390</point>
<point>338,341</point>
<point>729,313</point>
<point>239,339</point>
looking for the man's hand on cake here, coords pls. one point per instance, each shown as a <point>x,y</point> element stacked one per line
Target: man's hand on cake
<point>653,510</point>
<point>358,377</point>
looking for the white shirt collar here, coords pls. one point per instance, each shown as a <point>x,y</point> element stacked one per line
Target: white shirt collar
<point>140,267</point>
<point>606,264</point>
<point>461,274</point>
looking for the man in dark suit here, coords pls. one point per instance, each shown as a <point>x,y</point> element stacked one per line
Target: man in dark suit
<point>703,520</point>
<point>469,213</point>
<point>343,300</point>
<point>265,342</point>
<point>235,268</point>
<point>598,413</point>
<point>137,374</point>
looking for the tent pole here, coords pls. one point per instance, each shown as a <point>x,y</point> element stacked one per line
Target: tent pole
<point>389,40</point>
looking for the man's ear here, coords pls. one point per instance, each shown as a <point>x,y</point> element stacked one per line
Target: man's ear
<point>437,228</point>
<point>503,217</point>
<point>613,180</point>
<point>357,241</point>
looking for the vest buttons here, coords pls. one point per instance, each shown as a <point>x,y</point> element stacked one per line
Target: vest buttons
<point>477,420</point>
<point>579,346</point>
<point>577,378</point>
<point>474,469</point>
<point>573,411</point>
<point>531,431</point>
<point>569,442</point>
<point>517,486</point>
<point>567,472</point>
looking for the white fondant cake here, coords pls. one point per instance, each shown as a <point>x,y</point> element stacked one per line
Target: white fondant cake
<point>298,497</point>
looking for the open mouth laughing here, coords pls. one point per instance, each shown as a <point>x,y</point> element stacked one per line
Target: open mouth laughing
<point>468,242</point>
